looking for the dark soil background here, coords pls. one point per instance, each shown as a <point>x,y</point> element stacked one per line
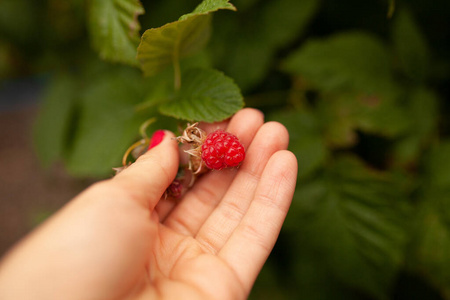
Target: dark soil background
<point>28,192</point>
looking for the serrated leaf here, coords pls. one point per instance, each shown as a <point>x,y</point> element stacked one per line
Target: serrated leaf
<point>357,217</point>
<point>108,122</point>
<point>165,45</point>
<point>347,61</point>
<point>305,139</point>
<point>206,95</point>
<point>410,46</point>
<point>208,6</point>
<point>50,133</point>
<point>114,29</point>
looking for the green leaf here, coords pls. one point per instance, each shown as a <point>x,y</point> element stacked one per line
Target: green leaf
<point>19,20</point>
<point>312,275</point>
<point>430,248</point>
<point>423,112</point>
<point>108,122</point>
<point>437,166</point>
<point>347,61</point>
<point>432,241</point>
<point>52,126</point>
<point>305,139</point>
<point>357,218</point>
<point>208,6</point>
<point>251,46</point>
<point>247,61</point>
<point>283,21</point>
<point>410,46</point>
<point>381,116</point>
<point>114,29</point>
<point>206,95</point>
<point>342,115</point>
<point>165,45</point>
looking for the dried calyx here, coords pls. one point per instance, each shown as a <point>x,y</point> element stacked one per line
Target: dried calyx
<point>195,137</point>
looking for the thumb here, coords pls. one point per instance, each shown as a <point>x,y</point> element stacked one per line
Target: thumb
<point>147,179</point>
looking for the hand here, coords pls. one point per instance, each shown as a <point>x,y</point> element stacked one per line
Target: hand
<point>118,240</point>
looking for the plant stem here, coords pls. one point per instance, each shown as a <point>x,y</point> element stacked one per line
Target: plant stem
<point>131,148</point>
<point>143,127</point>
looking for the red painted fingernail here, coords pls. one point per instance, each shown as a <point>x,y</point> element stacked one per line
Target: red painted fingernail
<point>157,137</point>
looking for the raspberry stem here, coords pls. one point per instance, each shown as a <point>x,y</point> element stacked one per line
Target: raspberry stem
<point>131,148</point>
<point>144,126</point>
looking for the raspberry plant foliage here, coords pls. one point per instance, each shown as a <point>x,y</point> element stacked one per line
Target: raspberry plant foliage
<point>164,76</point>
<point>115,29</point>
<point>357,92</point>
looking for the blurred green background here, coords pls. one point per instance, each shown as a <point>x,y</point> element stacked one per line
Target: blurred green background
<point>362,86</point>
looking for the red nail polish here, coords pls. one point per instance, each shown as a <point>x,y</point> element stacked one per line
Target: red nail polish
<point>157,137</point>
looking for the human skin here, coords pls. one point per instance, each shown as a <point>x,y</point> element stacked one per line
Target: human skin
<point>119,240</point>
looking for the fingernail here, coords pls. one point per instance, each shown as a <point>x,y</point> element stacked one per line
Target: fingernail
<point>157,137</point>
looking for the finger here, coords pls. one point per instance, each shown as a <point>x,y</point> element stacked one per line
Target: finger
<point>201,200</point>
<point>253,240</point>
<point>163,208</point>
<point>146,180</point>
<point>216,230</point>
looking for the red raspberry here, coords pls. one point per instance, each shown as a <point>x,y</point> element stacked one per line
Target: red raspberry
<point>221,150</point>
<point>175,189</point>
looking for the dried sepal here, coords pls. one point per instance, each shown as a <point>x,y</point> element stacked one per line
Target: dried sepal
<point>193,136</point>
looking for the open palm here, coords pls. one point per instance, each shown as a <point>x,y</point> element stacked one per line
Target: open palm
<point>118,240</point>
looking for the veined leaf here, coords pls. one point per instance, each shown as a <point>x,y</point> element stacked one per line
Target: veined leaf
<point>114,29</point>
<point>165,45</point>
<point>347,61</point>
<point>357,217</point>
<point>206,95</point>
